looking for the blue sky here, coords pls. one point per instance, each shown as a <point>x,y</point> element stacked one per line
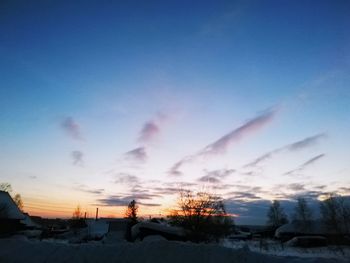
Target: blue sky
<point>100,100</point>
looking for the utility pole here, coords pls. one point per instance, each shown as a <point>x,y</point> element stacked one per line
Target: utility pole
<point>96,213</point>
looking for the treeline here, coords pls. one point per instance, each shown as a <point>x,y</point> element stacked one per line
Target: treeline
<point>334,214</point>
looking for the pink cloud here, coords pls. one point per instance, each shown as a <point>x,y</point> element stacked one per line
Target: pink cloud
<point>72,128</point>
<point>254,125</point>
<point>149,131</point>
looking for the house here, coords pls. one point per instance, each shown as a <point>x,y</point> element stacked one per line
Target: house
<point>10,215</point>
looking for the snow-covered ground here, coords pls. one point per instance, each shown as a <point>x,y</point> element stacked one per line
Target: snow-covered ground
<point>152,251</point>
<point>272,247</point>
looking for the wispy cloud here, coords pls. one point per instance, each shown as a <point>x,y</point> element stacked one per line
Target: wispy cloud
<point>223,143</point>
<point>296,187</point>
<point>209,179</point>
<point>296,146</point>
<point>254,125</point>
<point>72,128</point>
<point>124,178</point>
<point>85,189</point>
<point>307,142</point>
<point>149,131</point>
<point>124,200</point>
<point>305,164</point>
<point>77,157</point>
<point>138,154</point>
<point>175,169</point>
<point>215,176</point>
<point>312,160</point>
<point>152,128</point>
<point>240,195</point>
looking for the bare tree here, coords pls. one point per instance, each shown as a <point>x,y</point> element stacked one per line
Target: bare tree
<point>335,213</point>
<point>276,216</point>
<point>77,214</point>
<point>77,220</point>
<point>131,211</point>
<point>302,214</point>
<point>19,202</point>
<point>203,214</point>
<point>6,187</point>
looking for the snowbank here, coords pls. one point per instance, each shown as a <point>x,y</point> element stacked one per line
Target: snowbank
<point>155,252</point>
<point>271,247</point>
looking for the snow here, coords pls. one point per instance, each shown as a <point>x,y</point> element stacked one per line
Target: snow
<point>155,252</point>
<point>272,247</point>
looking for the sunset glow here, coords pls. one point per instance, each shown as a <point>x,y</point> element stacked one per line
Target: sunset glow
<point>138,100</point>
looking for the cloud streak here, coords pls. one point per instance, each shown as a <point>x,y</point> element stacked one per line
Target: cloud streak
<point>215,176</point>
<point>138,154</point>
<point>304,165</point>
<point>124,178</point>
<point>255,124</point>
<point>85,189</point>
<point>296,146</point>
<point>222,144</point>
<point>119,200</point>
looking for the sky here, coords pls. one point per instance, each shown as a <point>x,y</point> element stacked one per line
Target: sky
<point>102,102</point>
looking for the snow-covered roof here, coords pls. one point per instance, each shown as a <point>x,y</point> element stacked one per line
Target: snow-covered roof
<point>135,230</point>
<point>11,210</point>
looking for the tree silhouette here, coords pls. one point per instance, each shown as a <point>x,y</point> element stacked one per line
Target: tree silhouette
<point>203,215</point>
<point>131,211</point>
<point>18,200</point>
<point>77,214</point>
<point>276,216</point>
<point>335,213</point>
<point>302,214</point>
